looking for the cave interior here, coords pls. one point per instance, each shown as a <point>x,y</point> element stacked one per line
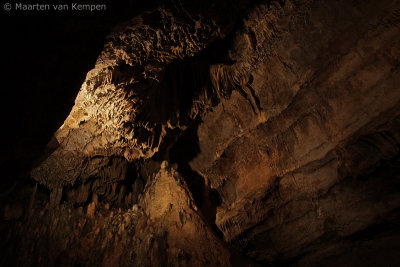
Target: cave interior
<point>202,133</point>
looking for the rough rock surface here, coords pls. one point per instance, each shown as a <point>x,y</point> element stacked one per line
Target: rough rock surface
<point>165,229</point>
<point>285,136</point>
<point>119,111</point>
<point>316,160</point>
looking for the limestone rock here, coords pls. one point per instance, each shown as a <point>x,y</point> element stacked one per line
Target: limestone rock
<point>126,106</point>
<point>268,138</point>
<point>294,172</point>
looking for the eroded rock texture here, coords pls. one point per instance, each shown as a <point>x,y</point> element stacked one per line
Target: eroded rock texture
<point>166,229</point>
<point>281,120</point>
<point>317,162</point>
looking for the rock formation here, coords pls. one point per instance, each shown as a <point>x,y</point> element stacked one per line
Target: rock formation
<point>236,134</point>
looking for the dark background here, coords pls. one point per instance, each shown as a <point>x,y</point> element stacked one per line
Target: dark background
<point>45,58</point>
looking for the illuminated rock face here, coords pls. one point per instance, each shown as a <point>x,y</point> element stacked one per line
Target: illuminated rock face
<point>122,110</point>
<point>316,163</point>
<point>286,146</point>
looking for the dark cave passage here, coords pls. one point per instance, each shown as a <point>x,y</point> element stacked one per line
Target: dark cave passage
<point>206,198</point>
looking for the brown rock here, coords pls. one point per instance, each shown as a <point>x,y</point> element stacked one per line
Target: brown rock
<point>285,147</point>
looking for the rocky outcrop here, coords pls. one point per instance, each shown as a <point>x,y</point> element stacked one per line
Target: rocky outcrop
<point>165,229</point>
<point>112,116</point>
<point>131,104</point>
<point>283,124</point>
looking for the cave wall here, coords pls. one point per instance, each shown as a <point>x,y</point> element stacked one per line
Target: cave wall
<point>316,162</point>
<point>46,58</point>
<point>265,136</point>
